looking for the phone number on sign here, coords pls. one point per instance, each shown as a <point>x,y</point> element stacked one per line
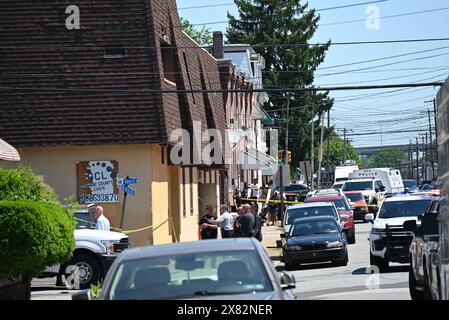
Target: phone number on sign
<point>91,198</point>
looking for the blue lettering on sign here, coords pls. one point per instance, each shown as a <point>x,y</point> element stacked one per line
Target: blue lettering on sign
<point>128,190</point>
<point>130,181</point>
<point>127,181</point>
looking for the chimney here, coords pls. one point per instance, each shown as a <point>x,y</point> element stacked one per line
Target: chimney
<point>217,45</point>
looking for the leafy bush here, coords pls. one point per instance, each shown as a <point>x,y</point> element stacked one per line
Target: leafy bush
<point>34,235</point>
<point>23,184</point>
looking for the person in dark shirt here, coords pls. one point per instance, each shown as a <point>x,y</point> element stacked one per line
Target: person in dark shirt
<point>247,222</point>
<point>204,230</point>
<point>258,223</point>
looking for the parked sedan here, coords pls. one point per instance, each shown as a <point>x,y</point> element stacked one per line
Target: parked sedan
<point>228,269</point>
<point>317,239</point>
<point>344,211</point>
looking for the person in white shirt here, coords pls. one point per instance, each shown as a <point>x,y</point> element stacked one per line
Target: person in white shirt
<point>255,189</point>
<point>102,221</point>
<point>225,222</point>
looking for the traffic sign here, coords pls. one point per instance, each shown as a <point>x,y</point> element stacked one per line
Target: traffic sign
<point>127,181</point>
<point>127,189</point>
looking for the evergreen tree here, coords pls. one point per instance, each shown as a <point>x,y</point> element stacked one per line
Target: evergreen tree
<point>275,22</point>
<point>202,37</point>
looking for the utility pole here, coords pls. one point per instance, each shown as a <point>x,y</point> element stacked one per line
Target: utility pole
<point>344,147</point>
<point>381,137</point>
<point>312,160</point>
<point>417,160</point>
<point>286,133</point>
<point>432,160</point>
<point>426,156</point>
<point>328,146</point>
<point>435,114</point>
<point>409,166</point>
<point>320,160</point>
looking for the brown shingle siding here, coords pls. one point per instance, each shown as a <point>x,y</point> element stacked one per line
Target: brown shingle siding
<point>38,51</point>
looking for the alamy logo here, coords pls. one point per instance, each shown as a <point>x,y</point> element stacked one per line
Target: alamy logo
<point>373,20</point>
<point>73,280</point>
<point>73,20</point>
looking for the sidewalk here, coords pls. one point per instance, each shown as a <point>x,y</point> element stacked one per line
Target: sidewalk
<point>269,237</point>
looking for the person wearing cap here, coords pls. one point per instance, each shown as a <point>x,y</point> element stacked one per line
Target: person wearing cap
<point>205,229</point>
<point>225,222</point>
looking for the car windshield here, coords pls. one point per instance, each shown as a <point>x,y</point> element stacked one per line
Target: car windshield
<point>411,184</point>
<point>293,214</point>
<point>83,220</point>
<point>405,208</point>
<point>340,204</point>
<point>357,185</point>
<point>190,275</point>
<point>314,227</point>
<point>355,197</point>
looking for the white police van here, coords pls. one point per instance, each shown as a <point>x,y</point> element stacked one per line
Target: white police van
<point>391,178</point>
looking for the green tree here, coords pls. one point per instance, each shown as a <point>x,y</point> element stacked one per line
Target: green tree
<point>336,147</point>
<point>202,37</point>
<point>387,158</point>
<point>292,65</point>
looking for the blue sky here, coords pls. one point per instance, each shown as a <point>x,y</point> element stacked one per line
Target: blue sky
<point>371,110</point>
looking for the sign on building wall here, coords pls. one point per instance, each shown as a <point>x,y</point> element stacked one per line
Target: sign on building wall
<point>97,181</point>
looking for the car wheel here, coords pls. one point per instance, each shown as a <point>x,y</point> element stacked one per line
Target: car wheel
<point>380,263</point>
<point>415,294</point>
<point>289,267</point>
<point>351,237</point>
<point>344,262</point>
<point>88,271</point>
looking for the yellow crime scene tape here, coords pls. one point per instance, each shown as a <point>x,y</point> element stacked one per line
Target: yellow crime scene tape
<point>297,202</point>
<point>137,230</point>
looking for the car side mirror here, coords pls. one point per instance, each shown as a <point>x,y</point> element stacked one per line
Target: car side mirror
<point>370,217</point>
<point>410,225</point>
<point>288,280</point>
<point>83,295</point>
<point>420,217</point>
<point>283,236</point>
<point>382,189</point>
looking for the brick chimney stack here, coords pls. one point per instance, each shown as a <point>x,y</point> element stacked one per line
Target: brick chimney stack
<point>217,45</point>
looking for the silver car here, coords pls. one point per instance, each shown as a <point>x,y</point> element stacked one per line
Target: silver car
<point>228,269</point>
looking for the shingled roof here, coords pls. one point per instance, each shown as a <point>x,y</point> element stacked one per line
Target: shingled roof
<point>90,86</point>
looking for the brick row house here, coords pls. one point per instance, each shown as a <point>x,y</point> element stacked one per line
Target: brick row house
<point>241,69</point>
<point>85,107</point>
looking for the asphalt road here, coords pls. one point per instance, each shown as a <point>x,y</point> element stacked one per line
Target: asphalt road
<point>353,282</point>
<point>314,282</point>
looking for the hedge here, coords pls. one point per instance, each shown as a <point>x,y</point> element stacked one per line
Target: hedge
<point>34,235</point>
<point>23,184</point>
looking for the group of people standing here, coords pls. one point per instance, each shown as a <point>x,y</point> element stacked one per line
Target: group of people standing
<point>248,223</point>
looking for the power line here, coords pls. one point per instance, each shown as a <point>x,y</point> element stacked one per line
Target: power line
<point>288,45</point>
<point>387,64</point>
<point>318,10</point>
<point>384,58</point>
<point>385,17</point>
<point>163,91</point>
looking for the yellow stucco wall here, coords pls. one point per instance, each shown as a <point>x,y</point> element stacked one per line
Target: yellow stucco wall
<point>158,194</point>
<point>58,166</point>
<point>160,197</point>
<point>189,222</point>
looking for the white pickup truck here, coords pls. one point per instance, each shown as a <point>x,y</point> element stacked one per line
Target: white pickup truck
<point>94,253</point>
